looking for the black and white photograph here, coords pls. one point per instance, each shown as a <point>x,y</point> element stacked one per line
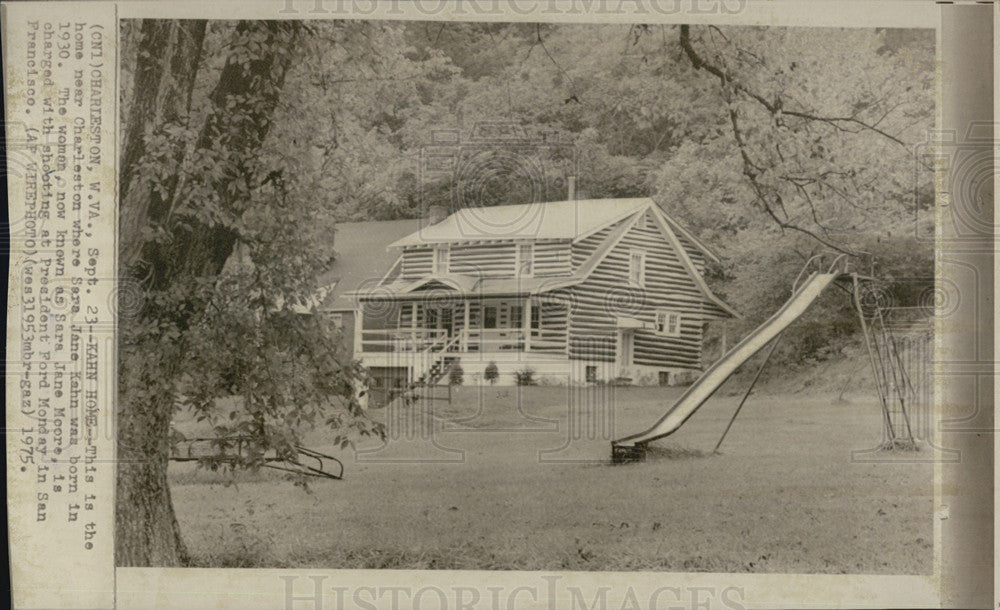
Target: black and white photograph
<point>526,296</point>
<point>477,304</point>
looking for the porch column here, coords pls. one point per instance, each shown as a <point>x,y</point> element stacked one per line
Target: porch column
<point>413,327</point>
<point>465,328</point>
<point>359,321</point>
<point>526,323</point>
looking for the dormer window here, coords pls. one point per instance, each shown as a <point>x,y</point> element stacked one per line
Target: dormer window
<point>525,259</point>
<point>637,267</point>
<point>441,260</point>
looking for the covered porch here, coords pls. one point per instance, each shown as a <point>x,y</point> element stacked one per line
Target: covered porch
<point>442,322</point>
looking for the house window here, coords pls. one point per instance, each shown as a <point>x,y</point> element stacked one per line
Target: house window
<point>441,259</point>
<point>536,316</point>
<point>668,323</point>
<point>637,267</point>
<point>516,316</point>
<point>664,378</point>
<point>590,373</point>
<point>525,259</point>
<point>489,316</point>
<point>337,319</point>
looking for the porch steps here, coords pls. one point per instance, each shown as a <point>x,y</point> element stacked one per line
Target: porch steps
<point>435,372</point>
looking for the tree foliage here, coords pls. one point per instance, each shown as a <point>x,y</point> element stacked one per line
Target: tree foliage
<point>226,245</point>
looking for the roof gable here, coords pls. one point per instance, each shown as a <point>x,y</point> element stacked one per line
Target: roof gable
<point>664,226</point>
<point>689,265</point>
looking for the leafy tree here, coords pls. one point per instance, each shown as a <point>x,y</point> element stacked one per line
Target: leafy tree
<point>226,245</point>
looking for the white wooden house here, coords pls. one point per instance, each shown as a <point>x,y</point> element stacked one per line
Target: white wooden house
<point>577,291</point>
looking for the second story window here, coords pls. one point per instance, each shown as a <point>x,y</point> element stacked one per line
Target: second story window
<point>668,323</point>
<point>525,259</point>
<point>637,267</point>
<point>441,259</point>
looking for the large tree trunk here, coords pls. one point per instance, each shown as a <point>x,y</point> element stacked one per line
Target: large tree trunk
<point>147,533</point>
<point>146,529</point>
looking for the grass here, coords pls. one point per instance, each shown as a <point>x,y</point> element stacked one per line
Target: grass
<point>522,481</point>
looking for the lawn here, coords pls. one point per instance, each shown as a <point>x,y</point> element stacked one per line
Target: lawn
<point>519,478</point>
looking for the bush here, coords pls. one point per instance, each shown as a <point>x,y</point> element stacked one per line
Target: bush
<point>525,376</point>
<point>492,373</point>
<point>455,375</point>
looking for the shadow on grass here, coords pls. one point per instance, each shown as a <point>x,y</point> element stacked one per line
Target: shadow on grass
<point>675,453</point>
<point>662,453</point>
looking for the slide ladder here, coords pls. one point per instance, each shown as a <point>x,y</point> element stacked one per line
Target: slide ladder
<point>807,288</point>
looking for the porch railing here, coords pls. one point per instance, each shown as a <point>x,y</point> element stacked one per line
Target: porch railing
<point>402,339</point>
<point>470,340</point>
<point>492,339</point>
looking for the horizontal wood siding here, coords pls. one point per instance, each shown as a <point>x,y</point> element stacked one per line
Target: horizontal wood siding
<point>606,295</point>
<point>492,260</point>
<point>698,259</point>
<point>694,253</point>
<point>417,263</point>
<point>583,249</point>
<point>553,321</point>
<point>552,259</point>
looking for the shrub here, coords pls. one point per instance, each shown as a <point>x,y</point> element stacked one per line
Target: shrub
<point>492,373</point>
<point>525,376</point>
<point>455,375</point>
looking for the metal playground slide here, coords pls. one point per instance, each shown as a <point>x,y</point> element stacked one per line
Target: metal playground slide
<point>706,385</point>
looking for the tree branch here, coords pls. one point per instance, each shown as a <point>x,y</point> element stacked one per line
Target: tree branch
<point>774,107</point>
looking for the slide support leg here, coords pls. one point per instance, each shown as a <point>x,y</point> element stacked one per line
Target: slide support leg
<point>774,344</point>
